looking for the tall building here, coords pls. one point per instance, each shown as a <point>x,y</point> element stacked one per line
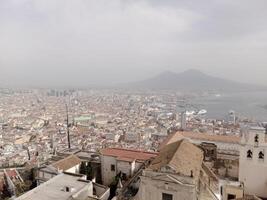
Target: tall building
<point>253,162</point>
<point>183,121</point>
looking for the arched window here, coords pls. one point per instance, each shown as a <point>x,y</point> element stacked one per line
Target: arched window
<point>249,154</point>
<point>261,155</point>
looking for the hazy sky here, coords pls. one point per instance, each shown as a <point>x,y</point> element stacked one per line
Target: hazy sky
<point>76,42</point>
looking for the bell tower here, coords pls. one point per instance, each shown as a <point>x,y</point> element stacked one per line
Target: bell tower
<point>253,162</point>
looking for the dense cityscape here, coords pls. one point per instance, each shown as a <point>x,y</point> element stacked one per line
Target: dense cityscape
<point>120,141</point>
<point>133,100</point>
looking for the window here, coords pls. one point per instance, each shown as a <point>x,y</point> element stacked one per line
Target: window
<point>249,154</point>
<point>112,168</point>
<point>166,196</point>
<point>261,155</point>
<point>231,196</point>
<point>124,176</point>
<point>256,138</point>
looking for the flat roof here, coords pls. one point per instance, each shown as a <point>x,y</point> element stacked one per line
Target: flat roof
<point>54,188</point>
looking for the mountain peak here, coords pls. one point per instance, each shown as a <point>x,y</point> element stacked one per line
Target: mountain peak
<point>188,73</point>
<point>193,72</point>
<point>192,80</point>
<point>167,73</point>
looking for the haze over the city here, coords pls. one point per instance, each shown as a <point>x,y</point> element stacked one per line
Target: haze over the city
<point>78,43</point>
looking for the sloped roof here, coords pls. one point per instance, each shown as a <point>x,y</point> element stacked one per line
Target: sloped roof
<point>67,163</point>
<point>201,136</point>
<point>182,156</point>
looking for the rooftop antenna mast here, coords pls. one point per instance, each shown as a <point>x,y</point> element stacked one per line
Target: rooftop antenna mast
<point>68,128</point>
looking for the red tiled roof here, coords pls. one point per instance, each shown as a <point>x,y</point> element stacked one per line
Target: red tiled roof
<point>128,154</point>
<point>125,159</point>
<point>183,156</point>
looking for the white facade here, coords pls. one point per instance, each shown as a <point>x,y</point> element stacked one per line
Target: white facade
<point>46,173</point>
<point>111,166</point>
<point>108,169</point>
<point>75,169</point>
<point>253,162</point>
<point>125,167</point>
<point>115,161</point>
<point>156,186</point>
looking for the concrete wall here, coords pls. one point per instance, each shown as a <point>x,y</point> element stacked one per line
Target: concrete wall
<point>252,172</point>
<point>48,175</point>
<point>254,177</point>
<point>137,166</point>
<point>101,191</point>
<point>151,189</point>
<point>107,174</point>
<point>237,191</point>
<point>125,167</point>
<point>84,193</point>
<point>44,176</point>
<point>74,169</point>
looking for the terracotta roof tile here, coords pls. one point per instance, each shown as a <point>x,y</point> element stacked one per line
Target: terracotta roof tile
<point>128,154</point>
<point>125,159</point>
<point>182,156</point>
<point>67,163</point>
<point>201,136</point>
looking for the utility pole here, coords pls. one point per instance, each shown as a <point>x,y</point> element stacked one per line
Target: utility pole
<point>68,130</point>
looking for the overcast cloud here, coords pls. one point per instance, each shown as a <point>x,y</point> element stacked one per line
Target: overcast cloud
<point>81,42</point>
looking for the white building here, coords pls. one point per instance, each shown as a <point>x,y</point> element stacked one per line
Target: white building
<point>231,190</point>
<point>253,162</point>
<point>67,186</point>
<point>124,161</point>
<point>69,164</point>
